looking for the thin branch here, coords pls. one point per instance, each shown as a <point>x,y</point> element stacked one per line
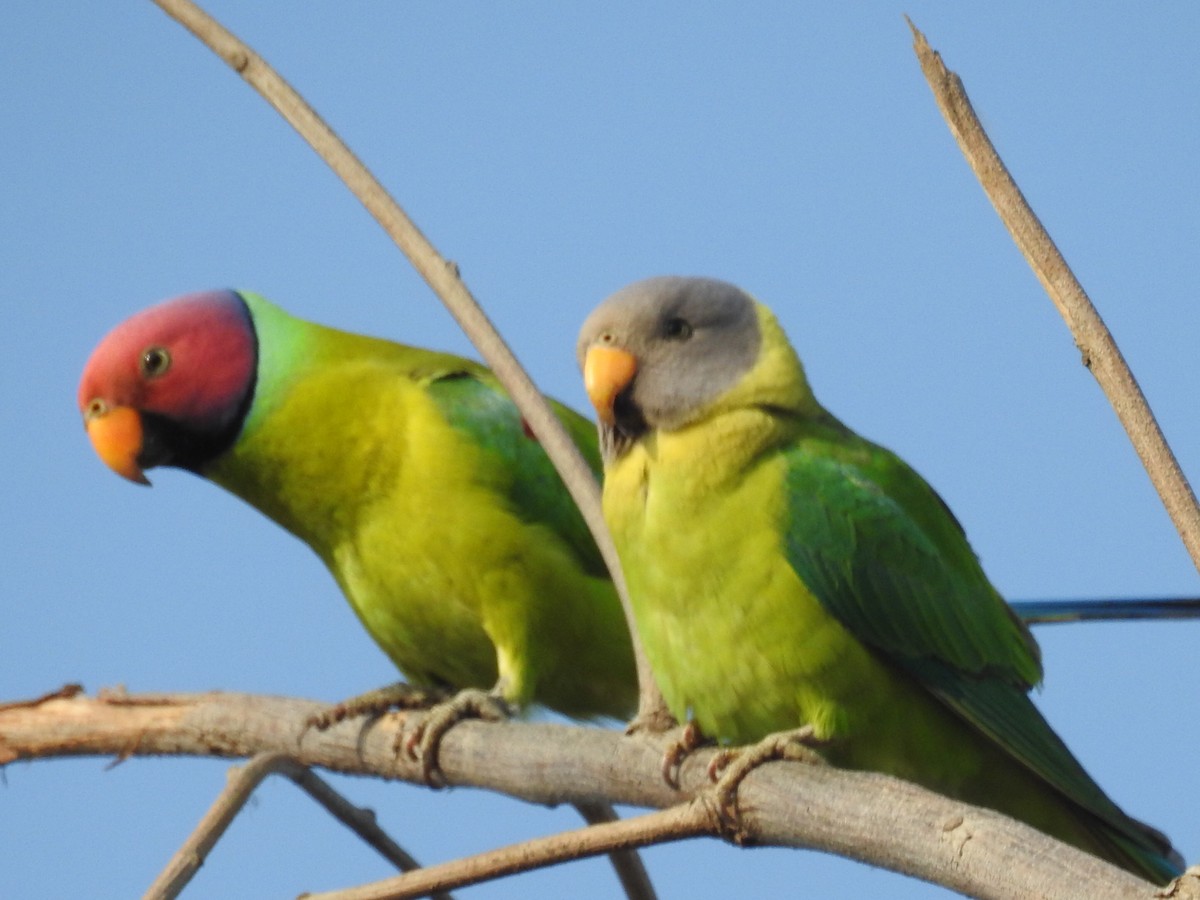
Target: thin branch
<point>1092,337</point>
<point>243,781</point>
<point>188,859</point>
<point>613,837</point>
<point>361,821</point>
<point>631,872</point>
<point>866,816</point>
<point>441,275</point>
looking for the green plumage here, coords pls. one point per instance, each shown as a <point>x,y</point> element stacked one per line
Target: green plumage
<point>785,571</point>
<point>411,475</point>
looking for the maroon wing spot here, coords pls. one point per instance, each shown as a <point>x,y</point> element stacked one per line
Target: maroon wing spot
<point>527,430</point>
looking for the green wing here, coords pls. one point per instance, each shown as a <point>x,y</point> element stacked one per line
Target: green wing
<point>906,587</point>
<point>884,556</point>
<point>474,403</point>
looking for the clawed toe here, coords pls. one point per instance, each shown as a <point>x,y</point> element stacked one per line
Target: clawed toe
<point>729,768</point>
<point>421,737</point>
<point>677,751</point>
<point>373,704</point>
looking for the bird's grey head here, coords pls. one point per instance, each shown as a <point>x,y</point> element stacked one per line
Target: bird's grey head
<point>656,353</point>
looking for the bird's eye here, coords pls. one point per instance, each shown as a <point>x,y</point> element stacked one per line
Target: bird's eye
<point>677,329</point>
<point>154,362</point>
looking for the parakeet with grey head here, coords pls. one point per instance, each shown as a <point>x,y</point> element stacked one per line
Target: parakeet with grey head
<point>785,572</point>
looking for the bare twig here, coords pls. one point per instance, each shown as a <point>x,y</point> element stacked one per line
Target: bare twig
<point>361,821</point>
<point>612,837</point>
<point>441,275</point>
<point>243,780</point>
<point>1092,337</point>
<point>188,859</point>
<point>634,878</point>
<point>864,816</point>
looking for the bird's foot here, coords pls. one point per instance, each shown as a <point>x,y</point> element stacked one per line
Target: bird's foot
<point>729,768</point>
<point>421,738</point>
<point>690,738</point>
<point>400,695</point>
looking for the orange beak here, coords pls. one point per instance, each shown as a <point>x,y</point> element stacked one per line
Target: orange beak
<point>606,372</point>
<point>116,436</point>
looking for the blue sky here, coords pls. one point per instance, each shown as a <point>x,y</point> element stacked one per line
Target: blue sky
<point>557,153</point>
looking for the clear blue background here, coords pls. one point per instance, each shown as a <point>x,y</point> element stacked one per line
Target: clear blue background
<point>558,153</point>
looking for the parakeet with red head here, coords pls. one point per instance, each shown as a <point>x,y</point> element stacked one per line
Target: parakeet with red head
<point>410,473</point>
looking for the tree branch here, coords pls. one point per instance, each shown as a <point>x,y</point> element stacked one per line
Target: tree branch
<point>612,837</point>
<point>631,872</point>
<point>243,780</point>
<point>443,276</point>
<point>1100,352</point>
<point>864,816</point>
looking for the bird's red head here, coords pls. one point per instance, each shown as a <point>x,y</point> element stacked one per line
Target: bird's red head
<point>170,385</point>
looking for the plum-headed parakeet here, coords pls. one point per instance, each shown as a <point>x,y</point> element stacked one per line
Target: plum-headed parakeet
<point>786,572</point>
<point>409,472</point>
